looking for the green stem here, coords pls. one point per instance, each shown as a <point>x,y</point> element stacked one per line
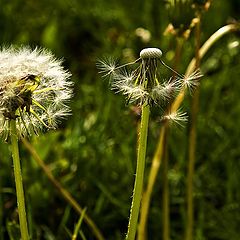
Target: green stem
<point>192,142</point>
<point>156,162</point>
<point>18,181</point>
<point>138,186</point>
<point>165,194</point>
<point>1,212</point>
<point>78,225</point>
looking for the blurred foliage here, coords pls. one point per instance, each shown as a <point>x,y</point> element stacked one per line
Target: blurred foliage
<point>93,153</point>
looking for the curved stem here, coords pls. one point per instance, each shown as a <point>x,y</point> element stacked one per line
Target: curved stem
<point>203,50</point>
<point>68,197</point>
<point>138,186</point>
<point>18,182</point>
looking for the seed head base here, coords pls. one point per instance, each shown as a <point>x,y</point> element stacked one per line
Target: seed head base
<point>151,53</point>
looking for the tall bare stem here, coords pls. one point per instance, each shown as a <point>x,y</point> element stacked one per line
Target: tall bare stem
<point>156,162</point>
<point>192,141</point>
<point>18,182</point>
<point>138,186</point>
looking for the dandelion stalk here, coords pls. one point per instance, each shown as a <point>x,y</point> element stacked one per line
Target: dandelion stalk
<point>156,162</point>
<point>18,182</point>
<point>138,186</point>
<point>34,90</point>
<point>143,86</point>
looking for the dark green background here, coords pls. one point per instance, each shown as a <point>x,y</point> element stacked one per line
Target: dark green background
<point>93,152</point>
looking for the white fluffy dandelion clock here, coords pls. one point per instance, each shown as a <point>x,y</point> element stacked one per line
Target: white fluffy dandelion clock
<point>34,90</point>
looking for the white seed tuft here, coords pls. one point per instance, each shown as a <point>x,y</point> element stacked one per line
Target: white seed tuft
<point>177,117</point>
<point>106,67</point>
<point>192,81</point>
<point>34,88</point>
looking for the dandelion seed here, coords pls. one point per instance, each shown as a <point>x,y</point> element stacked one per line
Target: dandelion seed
<point>177,117</point>
<point>106,67</point>
<point>192,81</point>
<point>34,89</point>
<point>166,91</point>
<point>124,77</point>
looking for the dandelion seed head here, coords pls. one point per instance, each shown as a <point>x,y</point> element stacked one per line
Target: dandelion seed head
<point>140,81</point>
<point>32,82</point>
<point>151,53</point>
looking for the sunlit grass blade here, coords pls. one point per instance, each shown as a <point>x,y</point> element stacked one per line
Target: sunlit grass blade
<point>78,225</point>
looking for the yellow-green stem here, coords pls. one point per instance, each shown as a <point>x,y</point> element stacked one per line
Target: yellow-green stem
<point>67,196</point>
<point>18,181</point>
<point>166,221</point>
<point>78,225</point>
<point>138,186</point>
<point>192,141</point>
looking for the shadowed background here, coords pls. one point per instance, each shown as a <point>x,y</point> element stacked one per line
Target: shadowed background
<point>93,152</point>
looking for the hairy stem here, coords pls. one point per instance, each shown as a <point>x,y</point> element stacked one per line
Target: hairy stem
<point>138,186</point>
<point>151,180</point>
<point>156,162</point>
<point>18,182</point>
<point>66,195</point>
